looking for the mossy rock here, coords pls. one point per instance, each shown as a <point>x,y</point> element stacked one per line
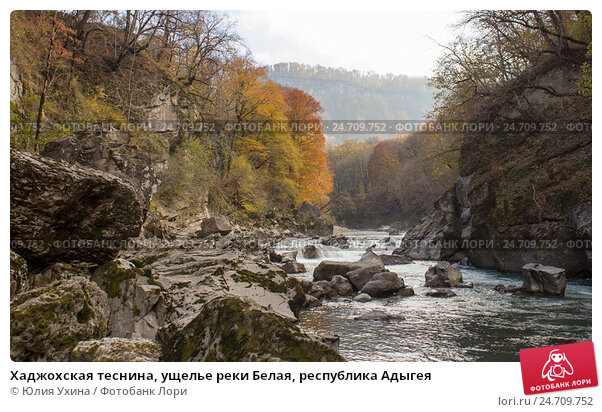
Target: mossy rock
<point>111,275</point>
<point>18,274</point>
<point>230,330</point>
<point>117,350</point>
<point>46,323</point>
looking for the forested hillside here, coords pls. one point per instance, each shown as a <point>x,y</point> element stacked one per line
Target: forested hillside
<point>160,81</point>
<point>355,95</point>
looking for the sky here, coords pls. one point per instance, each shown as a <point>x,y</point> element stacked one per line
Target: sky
<point>398,42</point>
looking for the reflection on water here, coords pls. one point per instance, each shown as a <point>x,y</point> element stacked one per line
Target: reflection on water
<point>476,325</point>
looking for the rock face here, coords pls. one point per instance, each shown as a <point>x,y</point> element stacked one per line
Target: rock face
<point>117,350</point>
<point>546,280</point>
<point>215,224</point>
<point>327,269</point>
<point>18,274</point>
<point>383,284</point>
<point>114,153</point>
<point>161,114</point>
<point>16,84</point>
<point>529,189</point>
<point>138,304</point>
<point>65,212</point>
<point>230,330</point>
<point>443,274</point>
<point>47,323</point>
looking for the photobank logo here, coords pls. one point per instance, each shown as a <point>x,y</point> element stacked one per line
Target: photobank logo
<point>558,368</point>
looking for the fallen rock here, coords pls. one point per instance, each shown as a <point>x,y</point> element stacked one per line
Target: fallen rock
<point>380,316</point>
<point>311,302</point>
<point>63,212</point>
<point>340,241</point>
<point>383,284</point>
<point>441,293</point>
<point>117,350</point>
<point>443,274</point>
<point>215,224</point>
<point>362,297</point>
<point>18,274</point>
<point>359,277</point>
<point>371,257</point>
<point>405,292</point>
<point>230,330</point>
<point>341,285</point>
<point>47,323</point>
<point>294,267</point>
<point>540,279</point>
<point>394,260</point>
<point>311,252</point>
<point>327,269</point>
<point>116,153</point>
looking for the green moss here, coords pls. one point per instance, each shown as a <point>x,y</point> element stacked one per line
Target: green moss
<point>228,329</point>
<point>265,280</point>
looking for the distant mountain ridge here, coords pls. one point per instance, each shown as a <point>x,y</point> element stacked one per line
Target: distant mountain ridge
<point>355,95</point>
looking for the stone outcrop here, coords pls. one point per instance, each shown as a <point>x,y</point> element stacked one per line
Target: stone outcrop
<point>115,153</point>
<point>443,274</point>
<point>16,84</point>
<point>60,211</point>
<point>531,198</point>
<point>311,221</point>
<point>47,323</point>
<point>139,305</point>
<point>228,329</point>
<point>545,280</point>
<point>161,113</point>
<point>117,350</point>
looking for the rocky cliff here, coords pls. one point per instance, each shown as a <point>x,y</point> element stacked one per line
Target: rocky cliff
<point>524,192</point>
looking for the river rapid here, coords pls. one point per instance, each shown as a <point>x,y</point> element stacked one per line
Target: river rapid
<point>476,325</point>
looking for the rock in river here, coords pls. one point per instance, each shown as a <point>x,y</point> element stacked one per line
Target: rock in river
<point>443,274</point>
<point>311,252</point>
<point>547,280</point>
<point>441,293</point>
<point>327,269</point>
<point>383,284</point>
<point>380,315</point>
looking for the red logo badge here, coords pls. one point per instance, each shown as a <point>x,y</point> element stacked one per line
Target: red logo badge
<point>558,368</point>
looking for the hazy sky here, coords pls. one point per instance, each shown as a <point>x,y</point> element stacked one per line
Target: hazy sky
<point>383,41</point>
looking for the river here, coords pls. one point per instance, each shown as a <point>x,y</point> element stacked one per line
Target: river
<point>477,325</point>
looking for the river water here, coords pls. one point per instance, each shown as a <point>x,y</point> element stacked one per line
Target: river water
<point>476,325</point>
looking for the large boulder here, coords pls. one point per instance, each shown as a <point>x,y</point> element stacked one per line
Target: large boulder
<point>341,285</point>
<point>294,267</point>
<point>115,153</point>
<point>383,284</point>
<point>311,252</point>
<point>215,224</point>
<point>56,271</point>
<point>60,211</point>
<point>117,350</point>
<point>443,274</point>
<point>228,329</point>
<point>546,280</point>
<point>47,323</point>
<point>371,257</point>
<point>18,274</point>
<point>359,277</point>
<point>327,269</point>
